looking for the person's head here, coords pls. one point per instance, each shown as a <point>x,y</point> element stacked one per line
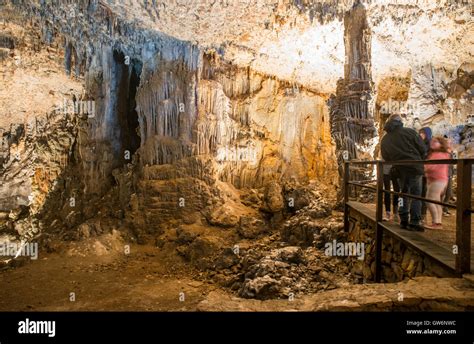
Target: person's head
<point>394,117</point>
<point>449,142</point>
<point>393,121</point>
<point>439,144</point>
<point>425,134</point>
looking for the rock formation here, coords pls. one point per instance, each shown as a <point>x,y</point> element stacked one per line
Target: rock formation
<point>203,126</point>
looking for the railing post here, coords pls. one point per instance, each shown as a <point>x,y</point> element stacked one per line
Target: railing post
<point>346,196</point>
<point>378,227</point>
<point>463,217</point>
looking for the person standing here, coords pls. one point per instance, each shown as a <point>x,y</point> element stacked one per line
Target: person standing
<point>426,134</point>
<point>437,177</point>
<point>390,180</point>
<point>400,143</point>
<point>449,189</point>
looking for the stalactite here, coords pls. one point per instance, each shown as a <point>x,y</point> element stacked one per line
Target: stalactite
<point>351,116</point>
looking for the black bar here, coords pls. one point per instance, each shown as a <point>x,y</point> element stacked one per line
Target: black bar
<point>139,327</point>
<point>463,217</point>
<point>431,162</point>
<point>363,186</point>
<point>449,205</point>
<point>367,181</point>
<point>378,227</point>
<point>346,196</point>
<point>365,162</point>
<point>409,162</point>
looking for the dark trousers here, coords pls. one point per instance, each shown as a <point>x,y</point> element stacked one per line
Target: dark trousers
<point>410,210</point>
<point>388,180</point>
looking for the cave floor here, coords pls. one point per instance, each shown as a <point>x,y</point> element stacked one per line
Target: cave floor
<point>141,280</point>
<point>149,280</point>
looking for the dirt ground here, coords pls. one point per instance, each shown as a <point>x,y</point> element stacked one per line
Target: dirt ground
<point>105,278</point>
<point>144,279</point>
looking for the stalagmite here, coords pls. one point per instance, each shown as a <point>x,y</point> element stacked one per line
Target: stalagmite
<point>352,121</point>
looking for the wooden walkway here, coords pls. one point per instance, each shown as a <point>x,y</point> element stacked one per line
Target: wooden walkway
<point>463,259</point>
<point>414,240</point>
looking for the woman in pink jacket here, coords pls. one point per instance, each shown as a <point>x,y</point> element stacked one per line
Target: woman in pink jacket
<point>437,177</point>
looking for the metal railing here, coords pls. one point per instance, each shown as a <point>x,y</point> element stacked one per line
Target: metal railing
<point>462,206</point>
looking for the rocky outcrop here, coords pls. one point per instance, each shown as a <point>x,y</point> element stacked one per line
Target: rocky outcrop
<point>34,157</point>
<point>418,294</point>
<point>307,223</point>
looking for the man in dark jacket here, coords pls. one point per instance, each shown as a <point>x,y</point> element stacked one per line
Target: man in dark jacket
<point>405,144</point>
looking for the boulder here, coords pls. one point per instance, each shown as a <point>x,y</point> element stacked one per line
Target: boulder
<point>226,259</point>
<point>223,216</point>
<point>251,199</point>
<point>200,252</point>
<point>299,233</point>
<point>273,198</point>
<point>251,227</point>
<point>289,254</point>
<point>184,236</point>
<point>261,288</point>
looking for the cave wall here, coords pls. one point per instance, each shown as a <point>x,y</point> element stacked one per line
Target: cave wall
<point>208,123</point>
<point>255,127</point>
<point>37,133</point>
<point>181,116</point>
<point>184,91</point>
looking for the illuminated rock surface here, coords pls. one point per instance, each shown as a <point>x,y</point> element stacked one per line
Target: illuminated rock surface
<point>200,127</point>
